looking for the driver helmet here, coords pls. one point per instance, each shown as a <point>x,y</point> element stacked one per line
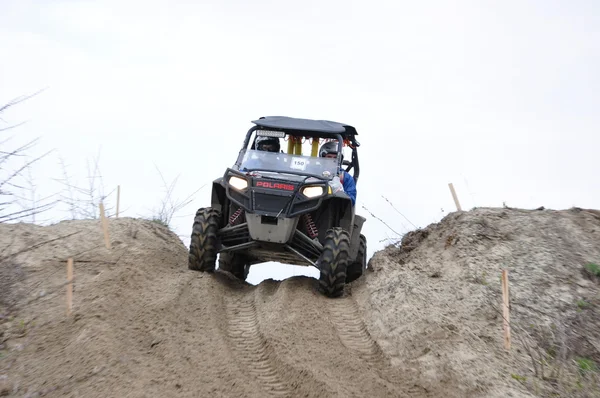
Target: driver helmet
<point>269,144</point>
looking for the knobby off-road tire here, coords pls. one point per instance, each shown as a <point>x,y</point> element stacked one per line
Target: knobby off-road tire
<point>235,263</point>
<point>204,242</point>
<point>357,268</point>
<point>333,262</point>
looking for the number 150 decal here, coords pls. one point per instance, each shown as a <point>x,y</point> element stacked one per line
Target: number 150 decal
<point>298,163</point>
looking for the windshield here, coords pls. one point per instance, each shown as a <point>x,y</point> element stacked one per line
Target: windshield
<point>325,168</point>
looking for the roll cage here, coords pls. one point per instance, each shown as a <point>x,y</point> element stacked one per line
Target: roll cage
<point>294,130</point>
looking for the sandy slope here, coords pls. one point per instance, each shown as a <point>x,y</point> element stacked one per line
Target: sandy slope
<point>423,324</point>
<point>435,303</point>
<point>144,325</point>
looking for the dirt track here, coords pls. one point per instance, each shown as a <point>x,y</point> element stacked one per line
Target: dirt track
<point>143,325</point>
<point>423,323</point>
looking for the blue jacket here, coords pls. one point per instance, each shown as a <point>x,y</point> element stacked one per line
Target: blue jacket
<point>349,186</point>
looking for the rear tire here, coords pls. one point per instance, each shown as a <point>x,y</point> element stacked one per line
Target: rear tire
<point>333,262</point>
<point>237,264</point>
<point>204,242</point>
<point>358,267</point>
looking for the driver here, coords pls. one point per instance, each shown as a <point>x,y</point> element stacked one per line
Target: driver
<point>330,150</point>
<point>261,143</point>
<point>269,144</point>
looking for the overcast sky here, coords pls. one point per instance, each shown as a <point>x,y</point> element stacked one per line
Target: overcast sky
<point>500,98</point>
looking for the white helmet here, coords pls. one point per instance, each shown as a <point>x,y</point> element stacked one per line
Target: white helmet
<point>328,148</point>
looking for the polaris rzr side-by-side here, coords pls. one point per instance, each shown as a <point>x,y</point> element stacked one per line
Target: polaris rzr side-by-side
<point>285,206</point>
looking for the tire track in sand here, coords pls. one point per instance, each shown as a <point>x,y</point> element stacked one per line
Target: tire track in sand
<point>251,345</point>
<point>353,332</point>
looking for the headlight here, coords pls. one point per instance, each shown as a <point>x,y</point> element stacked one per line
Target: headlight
<point>238,183</point>
<point>312,192</point>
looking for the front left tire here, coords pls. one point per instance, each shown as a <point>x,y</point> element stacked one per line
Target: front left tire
<point>204,243</point>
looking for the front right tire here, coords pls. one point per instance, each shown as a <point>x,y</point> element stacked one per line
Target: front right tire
<point>357,268</point>
<point>204,243</point>
<point>333,262</point>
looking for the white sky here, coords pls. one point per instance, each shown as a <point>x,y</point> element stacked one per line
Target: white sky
<point>499,98</point>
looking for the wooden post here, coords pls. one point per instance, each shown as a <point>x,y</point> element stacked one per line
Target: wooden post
<point>118,199</point>
<point>455,197</point>
<point>104,226</point>
<point>506,309</point>
<point>69,286</point>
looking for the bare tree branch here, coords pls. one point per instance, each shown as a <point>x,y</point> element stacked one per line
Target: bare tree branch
<point>12,188</point>
<point>18,100</point>
<point>84,201</point>
<point>383,222</point>
<point>168,206</point>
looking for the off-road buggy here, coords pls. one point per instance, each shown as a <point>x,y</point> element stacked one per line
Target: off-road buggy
<point>280,206</point>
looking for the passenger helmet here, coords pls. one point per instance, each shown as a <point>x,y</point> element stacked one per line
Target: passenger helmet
<point>330,147</point>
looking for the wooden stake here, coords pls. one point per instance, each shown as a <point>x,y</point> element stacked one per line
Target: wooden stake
<point>455,197</point>
<point>506,309</point>
<point>104,226</point>
<point>118,199</point>
<point>69,286</point>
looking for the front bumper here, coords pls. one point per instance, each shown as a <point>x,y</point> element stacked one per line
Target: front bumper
<point>272,197</point>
